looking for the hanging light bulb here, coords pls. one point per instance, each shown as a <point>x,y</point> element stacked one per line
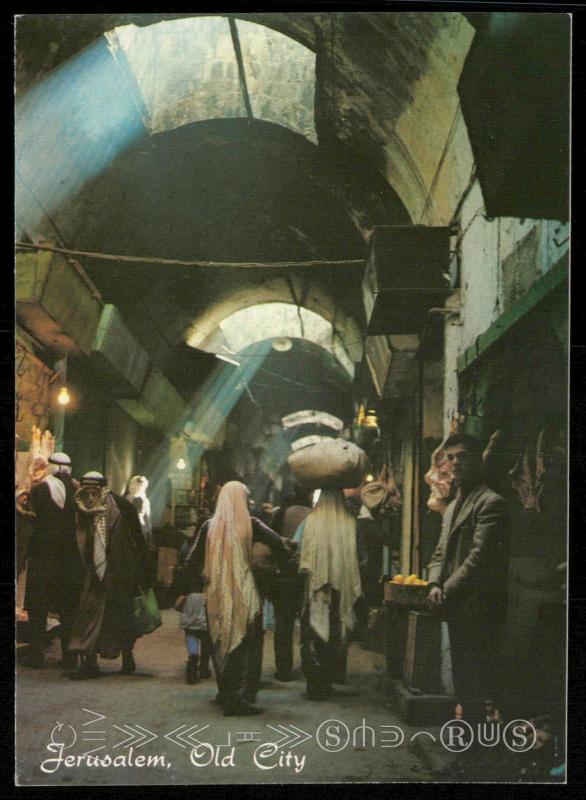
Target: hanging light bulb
<point>181,464</point>
<point>63,396</point>
<point>282,344</point>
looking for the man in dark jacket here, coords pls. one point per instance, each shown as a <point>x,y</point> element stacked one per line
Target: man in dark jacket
<point>468,576</point>
<point>53,563</point>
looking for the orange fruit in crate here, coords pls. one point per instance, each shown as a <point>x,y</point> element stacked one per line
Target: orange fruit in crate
<point>398,579</point>
<point>410,581</point>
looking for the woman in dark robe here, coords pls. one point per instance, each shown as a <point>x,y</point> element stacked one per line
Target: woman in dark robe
<point>115,566</point>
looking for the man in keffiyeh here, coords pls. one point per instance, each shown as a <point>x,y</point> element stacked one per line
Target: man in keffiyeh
<point>328,553</point>
<point>114,558</point>
<point>54,567</point>
<point>232,599</point>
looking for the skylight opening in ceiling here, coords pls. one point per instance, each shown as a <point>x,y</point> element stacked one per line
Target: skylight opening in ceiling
<point>269,320</point>
<point>187,71</point>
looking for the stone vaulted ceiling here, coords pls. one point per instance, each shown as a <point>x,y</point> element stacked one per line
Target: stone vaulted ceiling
<point>385,81</point>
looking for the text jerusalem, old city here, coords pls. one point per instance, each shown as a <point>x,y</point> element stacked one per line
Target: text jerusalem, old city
<point>266,756</point>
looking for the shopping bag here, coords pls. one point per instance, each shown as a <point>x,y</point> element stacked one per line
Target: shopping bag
<point>147,615</point>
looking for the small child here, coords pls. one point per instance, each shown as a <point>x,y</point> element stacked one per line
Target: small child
<point>197,639</point>
<point>188,582</point>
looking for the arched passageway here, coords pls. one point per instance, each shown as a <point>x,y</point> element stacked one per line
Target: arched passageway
<point>208,208</point>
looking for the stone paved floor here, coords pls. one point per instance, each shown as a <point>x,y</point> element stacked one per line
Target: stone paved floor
<point>129,717</point>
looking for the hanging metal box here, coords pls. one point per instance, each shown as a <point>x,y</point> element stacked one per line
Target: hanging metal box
<point>159,406</point>
<point>56,302</point>
<point>405,276</point>
<point>117,356</point>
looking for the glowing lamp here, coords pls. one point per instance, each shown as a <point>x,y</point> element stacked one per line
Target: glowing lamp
<point>371,420</point>
<point>181,464</point>
<point>282,344</point>
<point>63,396</point>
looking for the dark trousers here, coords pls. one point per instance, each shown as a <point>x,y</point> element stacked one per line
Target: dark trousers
<point>323,663</point>
<point>206,649</point>
<point>285,614</point>
<point>361,609</point>
<point>66,608</point>
<point>243,667</point>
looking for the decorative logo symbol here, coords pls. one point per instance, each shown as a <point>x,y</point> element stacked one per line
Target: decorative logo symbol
<point>332,735</point>
<point>97,716</point>
<point>59,726</point>
<point>456,735</point>
<point>185,737</point>
<point>292,736</point>
<point>137,735</point>
<point>519,735</point>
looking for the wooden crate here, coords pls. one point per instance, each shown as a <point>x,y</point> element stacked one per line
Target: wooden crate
<point>413,596</point>
<point>56,302</point>
<point>422,665</point>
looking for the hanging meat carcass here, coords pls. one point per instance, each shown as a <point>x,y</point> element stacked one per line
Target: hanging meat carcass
<point>439,478</point>
<point>522,481</point>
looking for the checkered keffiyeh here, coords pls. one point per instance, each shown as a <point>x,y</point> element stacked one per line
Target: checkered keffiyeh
<point>99,527</point>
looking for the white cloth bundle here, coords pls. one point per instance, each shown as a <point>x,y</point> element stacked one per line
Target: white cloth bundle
<point>328,552</point>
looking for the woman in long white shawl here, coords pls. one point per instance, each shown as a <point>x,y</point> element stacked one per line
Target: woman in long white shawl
<point>328,553</point>
<point>233,602</point>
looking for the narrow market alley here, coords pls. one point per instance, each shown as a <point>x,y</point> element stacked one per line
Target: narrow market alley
<point>292,346</point>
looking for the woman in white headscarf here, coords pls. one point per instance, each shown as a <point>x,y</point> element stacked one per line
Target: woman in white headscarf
<point>233,602</point>
<point>328,553</point>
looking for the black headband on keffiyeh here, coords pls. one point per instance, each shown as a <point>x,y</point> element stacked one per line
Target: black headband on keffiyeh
<point>91,479</point>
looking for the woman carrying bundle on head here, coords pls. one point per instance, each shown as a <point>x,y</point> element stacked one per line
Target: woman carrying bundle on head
<point>327,538</point>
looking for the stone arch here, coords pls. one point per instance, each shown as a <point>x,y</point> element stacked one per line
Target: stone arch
<point>205,332</point>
